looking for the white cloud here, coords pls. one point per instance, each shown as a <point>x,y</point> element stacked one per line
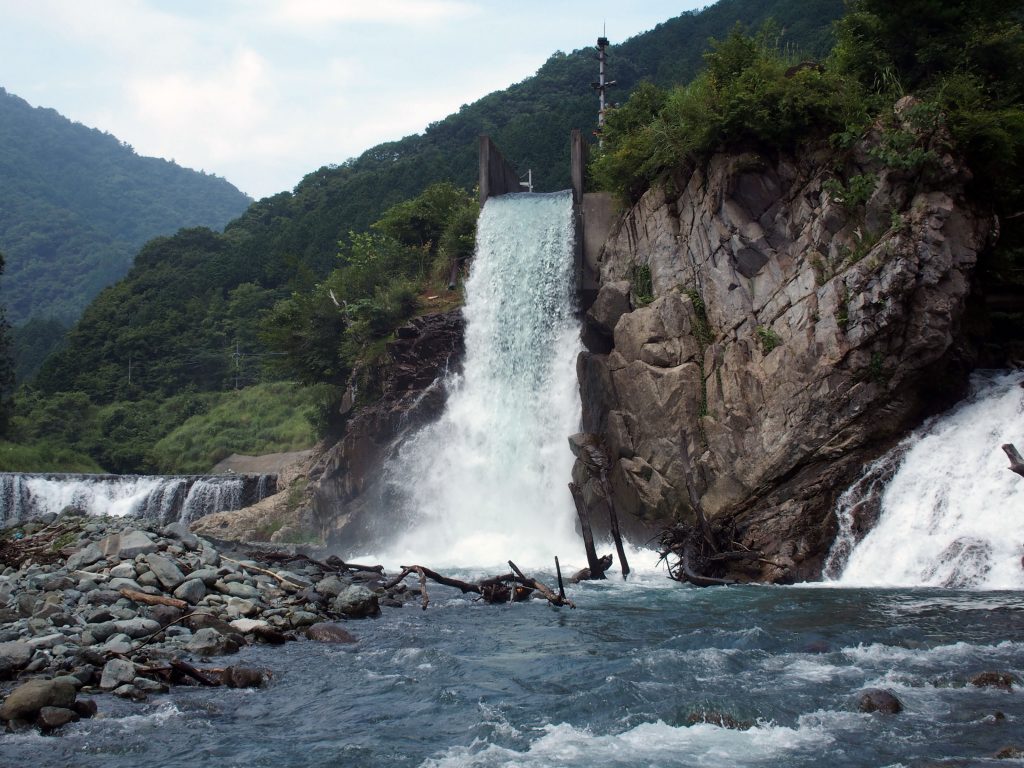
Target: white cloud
<point>307,13</point>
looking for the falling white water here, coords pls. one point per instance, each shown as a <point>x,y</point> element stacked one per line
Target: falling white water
<point>952,515</point>
<point>186,498</point>
<point>487,481</point>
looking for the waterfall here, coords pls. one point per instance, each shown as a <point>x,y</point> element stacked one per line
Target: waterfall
<point>164,498</point>
<point>951,515</point>
<point>487,481</point>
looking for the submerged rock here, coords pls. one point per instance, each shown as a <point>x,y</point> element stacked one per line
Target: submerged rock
<point>879,700</point>
<point>1002,680</point>
<point>329,633</point>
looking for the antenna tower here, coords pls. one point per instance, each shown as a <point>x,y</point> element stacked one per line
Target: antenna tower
<point>602,83</point>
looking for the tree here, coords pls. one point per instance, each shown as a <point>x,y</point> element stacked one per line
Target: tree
<point>6,368</point>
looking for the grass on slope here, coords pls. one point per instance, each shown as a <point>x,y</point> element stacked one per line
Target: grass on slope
<point>44,456</point>
<point>266,418</point>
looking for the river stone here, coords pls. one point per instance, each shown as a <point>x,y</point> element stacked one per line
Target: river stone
<point>878,700</point>
<point>191,591</point>
<point>357,602</point>
<point>248,625</point>
<point>116,672</point>
<point>203,620</point>
<point>181,532</point>
<point>127,545</point>
<point>129,691</point>
<point>51,718</point>
<point>236,589</point>
<point>166,570</point>
<point>137,628</point>
<point>243,677</point>
<point>332,586</point>
<point>119,584</point>
<point>45,641</point>
<point>207,575</point>
<point>1002,680</point>
<point>86,556</point>
<point>25,701</point>
<point>209,556</point>
<point>327,632</point>
<point>14,656</point>
<point>1010,752</point>
<point>239,608</point>
<point>302,618</point>
<point>124,571</point>
<point>208,642</point>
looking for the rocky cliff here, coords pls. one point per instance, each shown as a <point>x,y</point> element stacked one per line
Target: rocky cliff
<point>768,328</point>
<point>406,390</point>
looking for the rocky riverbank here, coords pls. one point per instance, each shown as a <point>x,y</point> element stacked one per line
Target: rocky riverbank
<point>90,606</point>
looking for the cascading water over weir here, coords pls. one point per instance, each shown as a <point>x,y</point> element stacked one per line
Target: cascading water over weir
<point>163,498</point>
<point>487,481</point>
<point>951,515</point>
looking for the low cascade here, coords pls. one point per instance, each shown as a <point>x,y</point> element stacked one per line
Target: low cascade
<point>949,512</point>
<point>165,498</point>
<point>487,481</point>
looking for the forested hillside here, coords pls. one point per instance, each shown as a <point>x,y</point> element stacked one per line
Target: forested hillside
<point>202,311</point>
<point>76,204</point>
<point>178,315</point>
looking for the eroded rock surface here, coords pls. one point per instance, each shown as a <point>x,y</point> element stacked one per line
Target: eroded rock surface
<point>789,338</point>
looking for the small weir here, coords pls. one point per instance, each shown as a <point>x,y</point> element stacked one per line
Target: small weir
<point>183,498</point>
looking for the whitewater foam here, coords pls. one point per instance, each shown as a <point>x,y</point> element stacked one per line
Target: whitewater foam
<point>950,516</point>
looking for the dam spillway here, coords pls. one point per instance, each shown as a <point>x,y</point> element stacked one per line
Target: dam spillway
<point>164,498</point>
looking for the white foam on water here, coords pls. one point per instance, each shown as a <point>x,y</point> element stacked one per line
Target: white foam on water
<point>488,480</point>
<point>937,656</point>
<point>646,744</point>
<point>951,515</point>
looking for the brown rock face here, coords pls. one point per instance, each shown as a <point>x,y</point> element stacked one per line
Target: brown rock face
<point>791,338</point>
<point>409,393</point>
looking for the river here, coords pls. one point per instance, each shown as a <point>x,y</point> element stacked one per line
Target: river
<point>612,683</point>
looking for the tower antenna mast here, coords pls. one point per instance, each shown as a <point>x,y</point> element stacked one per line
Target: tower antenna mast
<point>602,84</point>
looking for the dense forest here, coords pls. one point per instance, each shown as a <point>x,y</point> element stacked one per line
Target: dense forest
<point>76,205</point>
<point>202,311</point>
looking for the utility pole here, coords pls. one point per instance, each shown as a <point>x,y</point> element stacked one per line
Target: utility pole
<point>602,83</point>
<point>238,360</point>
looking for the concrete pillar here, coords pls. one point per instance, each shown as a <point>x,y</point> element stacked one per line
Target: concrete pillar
<point>497,175</point>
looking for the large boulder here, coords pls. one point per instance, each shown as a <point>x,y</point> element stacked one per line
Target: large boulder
<point>166,570</point>
<point>357,602</point>
<point>127,545</point>
<point>25,701</point>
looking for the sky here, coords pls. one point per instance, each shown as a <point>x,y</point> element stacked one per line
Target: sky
<point>263,92</point>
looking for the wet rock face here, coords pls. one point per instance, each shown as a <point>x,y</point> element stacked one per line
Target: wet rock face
<point>879,700</point>
<point>411,393</point>
<point>790,339</point>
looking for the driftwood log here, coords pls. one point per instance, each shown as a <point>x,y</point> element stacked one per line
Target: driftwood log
<point>512,587</point>
<point>692,558</point>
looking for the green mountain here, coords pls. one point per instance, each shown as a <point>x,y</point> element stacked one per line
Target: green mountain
<point>186,313</point>
<point>76,205</point>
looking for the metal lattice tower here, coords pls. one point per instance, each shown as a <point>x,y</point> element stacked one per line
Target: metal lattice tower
<point>602,84</point>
